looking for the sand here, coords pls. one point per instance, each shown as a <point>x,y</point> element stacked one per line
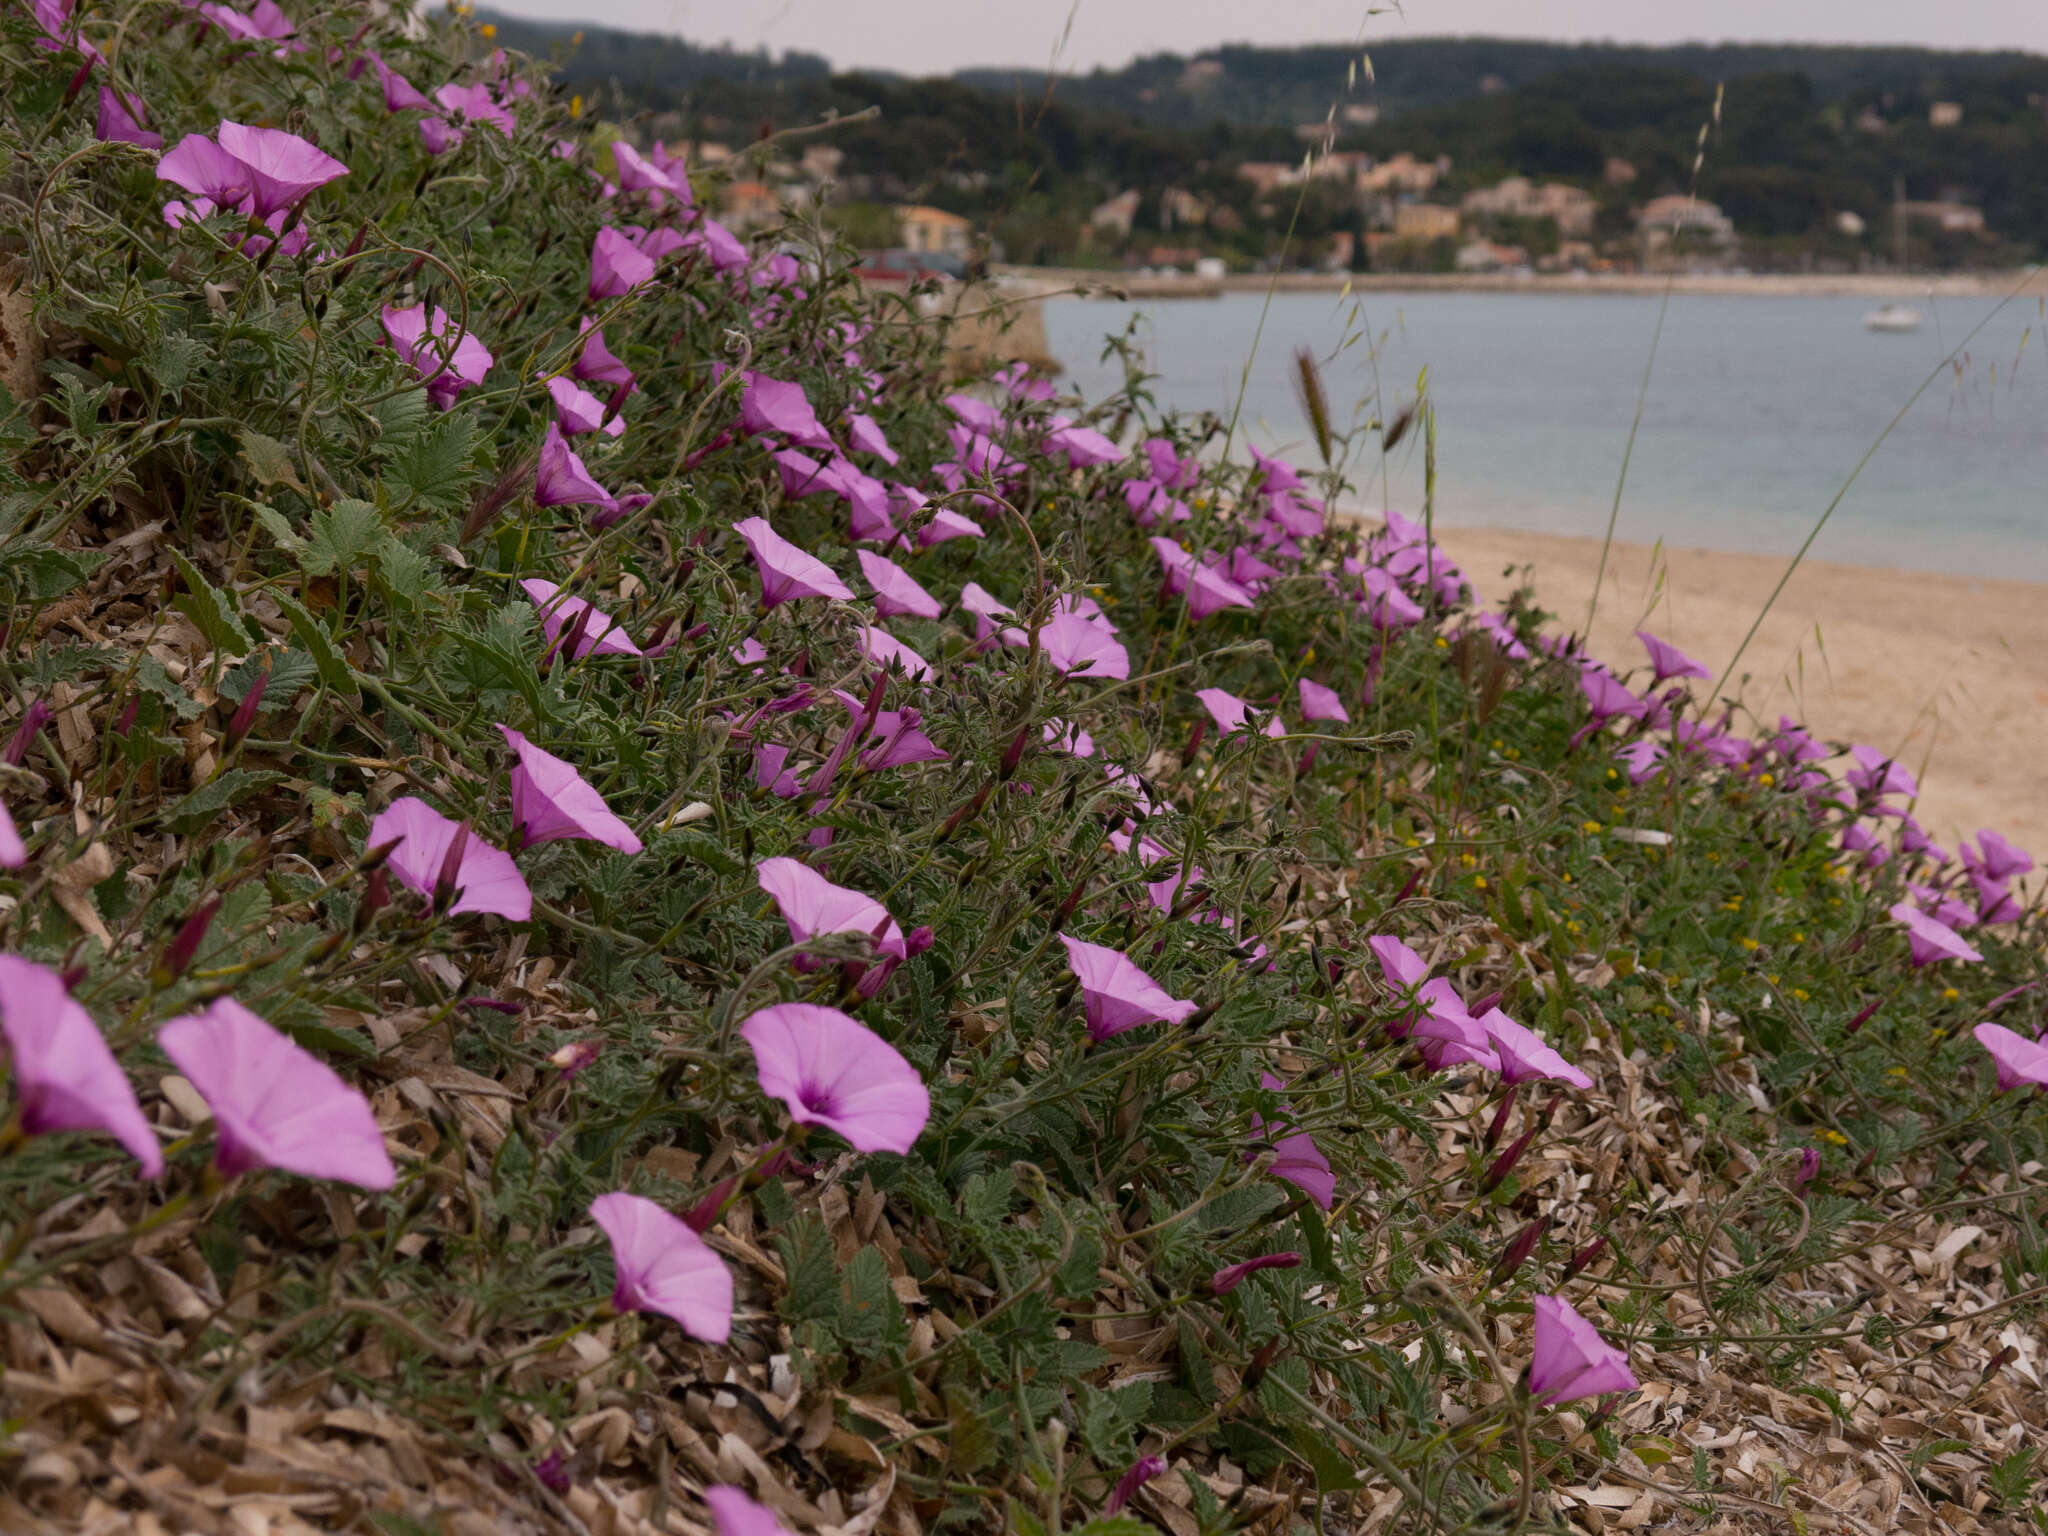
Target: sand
<point>1948,672</point>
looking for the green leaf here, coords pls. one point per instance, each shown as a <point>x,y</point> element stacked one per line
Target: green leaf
<point>343,537</point>
<point>335,1042</point>
<point>289,672</point>
<point>269,461</point>
<point>211,609</point>
<point>407,575</point>
<point>170,361</point>
<point>1315,1237</point>
<point>151,677</point>
<point>1333,1473</point>
<point>813,1270</point>
<point>436,465</point>
<point>279,527</point>
<point>209,800</point>
<point>333,667</point>
<point>870,1317</point>
<point>43,574</point>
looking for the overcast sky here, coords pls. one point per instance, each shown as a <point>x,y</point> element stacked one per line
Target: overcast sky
<point>933,36</point>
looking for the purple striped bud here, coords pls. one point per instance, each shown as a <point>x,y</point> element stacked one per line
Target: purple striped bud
<point>1139,1473</point>
<point>445,889</point>
<point>1187,753</point>
<point>1013,754</point>
<point>1500,1116</point>
<point>1584,1257</point>
<point>38,716</point>
<point>1809,1165</point>
<point>184,946</point>
<point>1863,1018</point>
<point>125,721</point>
<point>245,712</point>
<point>1231,1276</point>
<point>1505,1163</point>
<point>1516,1254</point>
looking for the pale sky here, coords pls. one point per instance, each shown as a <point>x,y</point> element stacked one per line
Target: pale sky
<point>935,36</point>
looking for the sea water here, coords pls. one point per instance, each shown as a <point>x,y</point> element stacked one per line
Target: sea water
<point>1759,408</point>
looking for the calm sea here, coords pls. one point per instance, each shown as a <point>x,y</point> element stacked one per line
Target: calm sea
<point>1759,409</point>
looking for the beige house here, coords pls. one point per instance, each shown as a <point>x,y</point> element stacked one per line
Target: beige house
<point>934,229</point>
<point>1404,173</point>
<point>1573,208</point>
<point>1425,221</point>
<point>1116,214</point>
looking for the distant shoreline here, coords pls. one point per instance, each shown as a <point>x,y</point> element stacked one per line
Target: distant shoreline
<point>1052,282</point>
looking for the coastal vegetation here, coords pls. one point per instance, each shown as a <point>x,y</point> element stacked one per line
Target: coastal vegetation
<point>629,903</point>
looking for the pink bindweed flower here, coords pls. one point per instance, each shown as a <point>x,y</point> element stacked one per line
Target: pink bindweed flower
<point>400,94</point>
<point>551,801</point>
<point>1403,969</point>
<point>786,571</point>
<point>1231,1276</point>
<point>1233,714</point>
<point>578,411</point>
<point>1210,591</point>
<point>1444,1031</point>
<point>476,104</point>
<point>1607,697</point>
<point>947,524</point>
<point>2017,1059</point>
<point>617,265</point>
<point>737,1515</point>
<point>866,436</point>
<point>833,1071</point>
<point>560,480</point>
<point>1668,660</point>
<point>1995,902</point>
<point>1063,736</point>
<point>275,1104</point>
<point>1642,758</point>
<point>1297,1159</point>
<point>451,357</point>
<point>1136,1476</point>
<point>1320,703</point>
<point>1117,994</point>
<point>1876,774</point>
<point>65,1078</point>
<point>204,169</point>
<point>896,591</point>
<point>595,363</point>
<point>592,631</point>
<point>1571,1360</point>
<point>1523,1055</point>
<point>773,405</point>
<point>812,905</point>
<point>485,878</point>
<point>639,174</point>
<point>1082,647</point>
<point>1083,446</point>
<point>1930,939</point>
<point>1994,857</point>
<point>885,650</point>
<point>281,168</point>
<point>663,1266</point>
<point>13,851</point>
<point>120,120</point>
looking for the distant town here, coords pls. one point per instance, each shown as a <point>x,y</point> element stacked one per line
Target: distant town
<point>1527,159</point>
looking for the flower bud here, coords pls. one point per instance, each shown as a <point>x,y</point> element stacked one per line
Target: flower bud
<point>1187,753</point>
<point>1584,1257</point>
<point>445,887</point>
<point>1505,1163</point>
<point>1231,1276</point>
<point>1809,1165</point>
<point>1499,1122</point>
<point>701,1216</point>
<point>573,1057</point>
<point>918,940</point>
<point>1136,1476</point>
<point>34,720</point>
<point>245,712</point>
<point>125,721</point>
<point>1863,1018</point>
<point>1516,1254</point>
<point>1013,754</point>
<point>178,954</point>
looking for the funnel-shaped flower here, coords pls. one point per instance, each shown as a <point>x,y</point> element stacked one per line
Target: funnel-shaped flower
<point>1233,714</point>
<point>639,174</point>
<point>1444,1032</point>
<point>1083,446</point>
<point>595,363</point>
<point>1877,774</point>
<point>275,1104</point>
<point>1607,696</point>
<point>1523,1056</point>
<point>1995,858</point>
<point>65,1078</point>
<point>813,905</point>
<point>551,801</point>
<point>834,1071</point>
<point>1641,758</point>
<point>1931,940</point>
<point>452,358</point>
<point>120,120</point>
<point>1210,591</point>
<point>2018,1060</point>
<point>947,524</point>
<point>1571,1360</point>
<point>885,650</point>
<point>578,411</point>
<point>774,405</point>
<point>664,1267</point>
<point>400,94</point>
<point>1117,994</point>
<point>1297,1159</point>
<point>485,878</point>
<point>617,265</point>
<point>596,633</point>
<point>282,167</point>
<point>560,480</point>
<point>1667,660</point>
<point>1320,703</point>
<point>206,170</point>
<point>13,851</point>
<point>1402,967</point>
<point>786,571</point>
<point>737,1515</point>
<point>896,591</point>
<point>1081,647</point>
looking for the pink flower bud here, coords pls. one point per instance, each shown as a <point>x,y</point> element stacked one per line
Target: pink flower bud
<point>1140,1472</point>
<point>34,720</point>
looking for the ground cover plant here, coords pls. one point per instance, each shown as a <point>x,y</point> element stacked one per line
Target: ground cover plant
<point>633,902</point>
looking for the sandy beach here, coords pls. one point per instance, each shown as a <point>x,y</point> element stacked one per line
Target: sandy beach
<point>1948,672</point>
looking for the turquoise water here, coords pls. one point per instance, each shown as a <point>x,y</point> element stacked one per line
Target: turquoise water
<point>1759,409</point>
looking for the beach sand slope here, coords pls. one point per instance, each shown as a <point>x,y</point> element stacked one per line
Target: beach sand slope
<point>1947,672</point>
